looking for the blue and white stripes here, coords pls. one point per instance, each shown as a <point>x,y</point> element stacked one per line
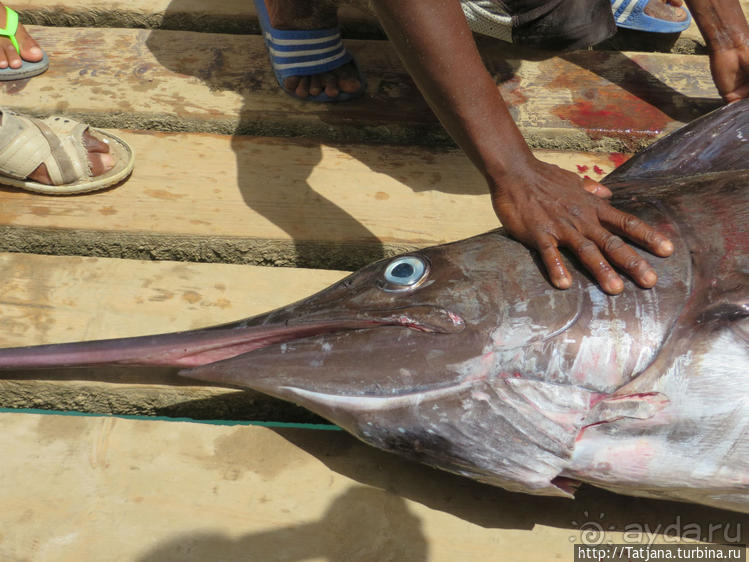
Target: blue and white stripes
<point>301,52</point>
<point>622,9</point>
<point>631,14</point>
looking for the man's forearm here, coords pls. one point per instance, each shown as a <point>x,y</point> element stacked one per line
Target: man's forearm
<point>539,204</point>
<point>438,49</point>
<point>721,22</point>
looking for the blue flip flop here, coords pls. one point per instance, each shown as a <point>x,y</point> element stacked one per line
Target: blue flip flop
<point>305,52</point>
<point>630,14</point>
<point>27,69</point>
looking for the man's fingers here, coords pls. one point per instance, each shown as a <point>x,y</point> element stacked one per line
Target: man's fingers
<point>624,258</point>
<point>738,94</point>
<point>637,231</point>
<point>555,267</point>
<point>593,260</point>
<point>592,186</point>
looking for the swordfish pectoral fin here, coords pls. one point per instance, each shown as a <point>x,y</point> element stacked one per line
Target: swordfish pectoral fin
<point>693,447</point>
<point>640,406</point>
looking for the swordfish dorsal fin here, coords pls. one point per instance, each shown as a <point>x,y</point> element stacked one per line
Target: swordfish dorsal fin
<point>716,142</point>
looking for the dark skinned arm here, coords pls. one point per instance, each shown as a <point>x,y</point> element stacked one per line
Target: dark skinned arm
<point>726,32</point>
<point>539,204</point>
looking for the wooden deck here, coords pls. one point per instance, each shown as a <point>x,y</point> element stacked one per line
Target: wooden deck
<point>114,490</point>
<point>244,199</point>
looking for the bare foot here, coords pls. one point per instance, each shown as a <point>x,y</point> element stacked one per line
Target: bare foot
<point>99,159</point>
<point>30,50</point>
<point>311,14</point>
<point>668,10</point>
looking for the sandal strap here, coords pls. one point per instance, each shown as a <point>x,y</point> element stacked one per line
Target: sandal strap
<point>65,170</point>
<point>56,142</point>
<point>20,150</point>
<point>11,26</point>
<point>301,52</point>
<point>311,53</point>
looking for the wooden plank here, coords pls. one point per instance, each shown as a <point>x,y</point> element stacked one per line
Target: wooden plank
<point>53,299</point>
<point>176,80</point>
<point>229,16</point>
<point>49,299</point>
<point>266,201</point>
<point>238,16</point>
<point>158,491</point>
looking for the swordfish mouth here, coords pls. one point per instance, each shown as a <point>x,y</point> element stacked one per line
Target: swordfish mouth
<point>200,347</point>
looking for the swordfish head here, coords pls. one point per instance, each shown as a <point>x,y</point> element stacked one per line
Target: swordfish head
<point>402,354</point>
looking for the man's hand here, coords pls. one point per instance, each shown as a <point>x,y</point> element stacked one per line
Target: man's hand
<point>726,31</point>
<point>541,205</point>
<point>548,208</point>
<point>730,69</point>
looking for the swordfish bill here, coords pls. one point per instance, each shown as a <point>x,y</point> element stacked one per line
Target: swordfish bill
<point>464,357</point>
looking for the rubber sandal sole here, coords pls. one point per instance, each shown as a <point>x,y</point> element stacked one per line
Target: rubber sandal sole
<point>27,70</point>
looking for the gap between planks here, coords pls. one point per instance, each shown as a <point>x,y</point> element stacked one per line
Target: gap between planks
<point>268,201</point>
<point>239,16</point>
<point>185,81</point>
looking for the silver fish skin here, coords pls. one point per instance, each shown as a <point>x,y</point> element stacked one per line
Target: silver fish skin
<point>464,357</point>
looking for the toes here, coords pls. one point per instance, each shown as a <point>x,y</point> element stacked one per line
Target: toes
<point>344,79</point>
<point>100,160</point>
<point>92,144</point>
<point>100,163</point>
<point>302,89</point>
<point>30,49</point>
<point>291,83</point>
<point>315,85</point>
<point>350,86</point>
<point>348,79</point>
<point>331,85</point>
<point>41,175</point>
<point>12,58</point>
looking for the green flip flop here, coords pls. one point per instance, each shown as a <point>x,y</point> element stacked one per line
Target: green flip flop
<point>27,69</point>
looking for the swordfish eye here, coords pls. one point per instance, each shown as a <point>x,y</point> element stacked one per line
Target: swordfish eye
<point>404,273</point>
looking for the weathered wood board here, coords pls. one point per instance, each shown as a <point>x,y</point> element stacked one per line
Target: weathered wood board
<point>53,299</point>
<point>228,16</point>
<point>161,80</point>
<point>239,16</point>
<point>204,197</point>
<point>110,489</point>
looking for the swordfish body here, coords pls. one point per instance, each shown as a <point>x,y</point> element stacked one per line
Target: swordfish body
<point>464,357</point>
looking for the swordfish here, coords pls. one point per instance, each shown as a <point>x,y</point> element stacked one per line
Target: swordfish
<point>464,357</point>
